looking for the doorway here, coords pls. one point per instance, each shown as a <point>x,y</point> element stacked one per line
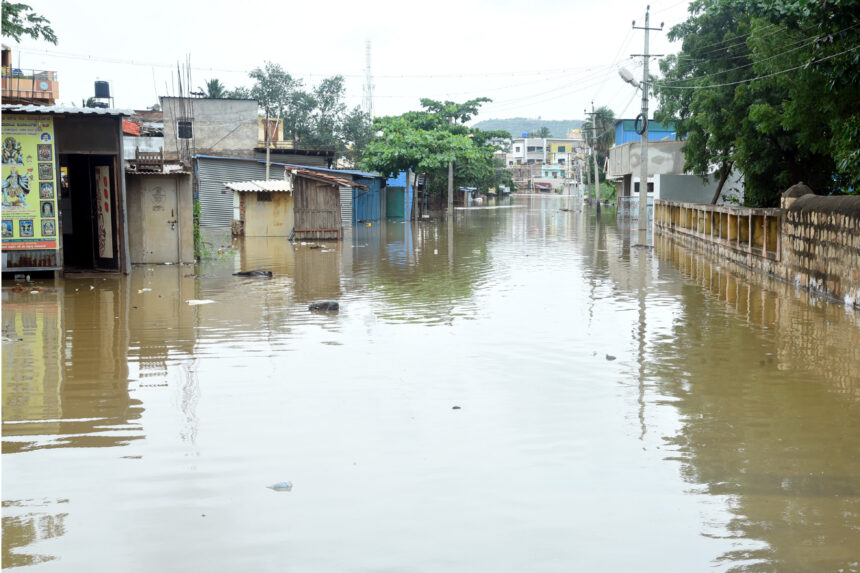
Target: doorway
<point>88,207</point>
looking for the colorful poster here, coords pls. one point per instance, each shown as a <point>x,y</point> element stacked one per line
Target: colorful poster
<point>29,183</point>
<point>104,222</point>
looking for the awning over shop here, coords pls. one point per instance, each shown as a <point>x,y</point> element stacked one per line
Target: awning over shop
<point>273,185</point>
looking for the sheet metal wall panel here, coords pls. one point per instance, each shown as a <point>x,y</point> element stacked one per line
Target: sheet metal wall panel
<point>216,201</point>
<point>346,195</point>
<point>366,204</point>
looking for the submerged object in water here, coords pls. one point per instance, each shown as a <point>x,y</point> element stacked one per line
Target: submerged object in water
<point>324,306</point>
<point>267,274</point>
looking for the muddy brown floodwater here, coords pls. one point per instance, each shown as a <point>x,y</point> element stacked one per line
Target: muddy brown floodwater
<point>462,412</point>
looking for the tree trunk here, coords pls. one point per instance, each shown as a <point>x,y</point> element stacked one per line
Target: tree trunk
<point>726,170</point>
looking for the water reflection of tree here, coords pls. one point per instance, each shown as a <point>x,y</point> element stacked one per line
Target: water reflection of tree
<point>778,442</point>
<point>410,271</point>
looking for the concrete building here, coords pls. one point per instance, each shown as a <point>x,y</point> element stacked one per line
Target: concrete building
<point>208,126</point>
<point>666,177</point>
<point>527,151</point>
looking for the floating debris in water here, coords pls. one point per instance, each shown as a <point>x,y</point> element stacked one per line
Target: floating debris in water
<point>140,290</point>
<point>324,306</point>
<point>198,302</point>
<point>257,273</point>
<point>610,357</point>
<point>283,486</point>
<point>456,408</point>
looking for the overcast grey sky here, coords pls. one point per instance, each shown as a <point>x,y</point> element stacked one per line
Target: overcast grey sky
<point>545,60</point>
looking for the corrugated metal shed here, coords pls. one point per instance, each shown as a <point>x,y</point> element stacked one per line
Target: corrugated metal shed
<point>273,185</point>
<point>310,167</point>
<point>366,203</point>
<point>63,110</point>
<point>216,201</point>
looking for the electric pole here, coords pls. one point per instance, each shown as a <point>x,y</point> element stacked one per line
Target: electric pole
<point>594,155</point>
<point>643,155</point>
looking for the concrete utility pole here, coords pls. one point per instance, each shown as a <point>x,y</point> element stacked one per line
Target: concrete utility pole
<point>594,155</point>
<point>450,189</point>
<point>643,155</point>
<point>594,152</point>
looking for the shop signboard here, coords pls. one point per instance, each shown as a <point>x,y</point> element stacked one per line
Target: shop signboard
<point>29,209</point>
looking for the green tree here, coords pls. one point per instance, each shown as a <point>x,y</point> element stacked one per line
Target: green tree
<point>604,122</point>
<point>770,88</point>
<point>356,133</point>
<point>20,20</point>
<point>543,132</point>
<point>214,89</point>
<point>427,141</point>
<point>706,113</point>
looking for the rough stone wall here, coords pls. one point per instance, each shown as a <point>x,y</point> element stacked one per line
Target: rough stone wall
<point>820,238</point>
<point>821,246</point>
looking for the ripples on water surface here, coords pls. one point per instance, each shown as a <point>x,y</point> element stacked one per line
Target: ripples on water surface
<point>140,433</point>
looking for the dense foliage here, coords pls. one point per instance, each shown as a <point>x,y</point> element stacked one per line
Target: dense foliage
<point>312,118</point>
<point>603,135</point>
<point>426,141</point>
<point>771,89</point>
<point>20,20</point>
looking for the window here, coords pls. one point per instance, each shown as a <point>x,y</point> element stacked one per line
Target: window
<point>539,149</point>
<point>264,196</point>
<point>561,149</point>
<point>517,148</point>
<point>183,129</point>
<point>531,148</point>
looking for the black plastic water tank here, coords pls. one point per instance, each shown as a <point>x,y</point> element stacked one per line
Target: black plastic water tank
<point>102,90</point>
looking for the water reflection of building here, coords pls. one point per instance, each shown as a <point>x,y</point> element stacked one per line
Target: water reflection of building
<point>67,378</point>
<point>766,387</point>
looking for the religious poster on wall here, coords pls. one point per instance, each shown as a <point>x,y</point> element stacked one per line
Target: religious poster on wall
<point>29,211</point>
<point>105,228</point>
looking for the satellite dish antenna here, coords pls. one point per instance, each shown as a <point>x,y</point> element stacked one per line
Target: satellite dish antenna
<point>627,76</point>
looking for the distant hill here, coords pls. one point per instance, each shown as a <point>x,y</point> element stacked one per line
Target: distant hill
<point>519,125</point>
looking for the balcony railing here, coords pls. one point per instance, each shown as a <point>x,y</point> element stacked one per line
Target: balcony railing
<point>29,86</point>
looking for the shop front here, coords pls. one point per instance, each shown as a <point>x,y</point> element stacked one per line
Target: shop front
<point>63,190</point>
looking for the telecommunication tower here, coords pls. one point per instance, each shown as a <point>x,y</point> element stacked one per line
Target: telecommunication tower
<point>367,103</point>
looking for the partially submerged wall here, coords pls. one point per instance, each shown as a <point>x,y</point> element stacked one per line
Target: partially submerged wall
<point>821,245</point>
<point>814,243</point>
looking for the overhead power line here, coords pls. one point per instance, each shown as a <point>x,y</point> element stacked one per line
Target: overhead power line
<point>806,43</point>
<point>806,65</point>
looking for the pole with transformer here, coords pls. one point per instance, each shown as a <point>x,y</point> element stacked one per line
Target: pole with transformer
<point>643,156</point>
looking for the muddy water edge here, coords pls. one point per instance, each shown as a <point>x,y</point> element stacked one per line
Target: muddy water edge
<point>522,389</point>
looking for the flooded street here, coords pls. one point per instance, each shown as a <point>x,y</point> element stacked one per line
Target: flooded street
<point>521,391</point>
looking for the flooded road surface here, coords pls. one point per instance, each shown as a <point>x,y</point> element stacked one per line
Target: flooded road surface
<point>523,391</point>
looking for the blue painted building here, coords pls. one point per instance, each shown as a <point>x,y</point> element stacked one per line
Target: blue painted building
<point>625,131</point>
<point>398,203</point>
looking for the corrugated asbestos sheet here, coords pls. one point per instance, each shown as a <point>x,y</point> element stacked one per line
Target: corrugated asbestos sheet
<point>272,186</point>
<point>216,201</point>
<point>346,206</point>
<point>59,109</point>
